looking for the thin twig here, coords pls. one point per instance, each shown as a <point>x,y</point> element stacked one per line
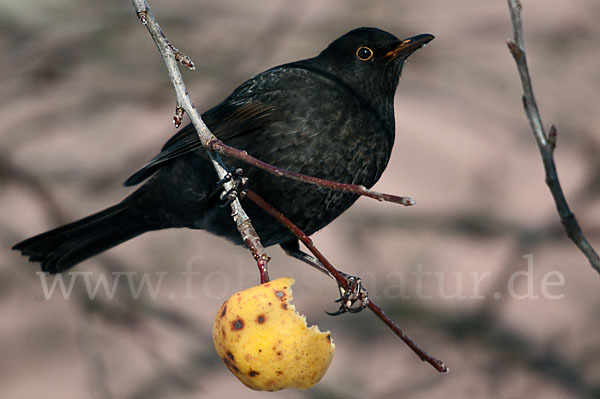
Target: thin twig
<point>172,56</point>
<point>341,280</point>
<point>546,143</point>
<point>223,149</point>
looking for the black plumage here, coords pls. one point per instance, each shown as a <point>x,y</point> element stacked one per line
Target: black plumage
<point>331,116</point>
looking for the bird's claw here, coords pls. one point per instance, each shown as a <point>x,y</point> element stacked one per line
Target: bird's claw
<point>239,186</point>
<point>352,300</point>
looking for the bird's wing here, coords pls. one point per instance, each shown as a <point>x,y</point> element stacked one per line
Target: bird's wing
<point>232,118</point>
<point>249,109</point>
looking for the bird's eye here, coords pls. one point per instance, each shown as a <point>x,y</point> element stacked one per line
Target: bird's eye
<point>364,53</point>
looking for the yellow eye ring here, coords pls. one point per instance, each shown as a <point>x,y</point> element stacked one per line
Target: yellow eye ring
<point>364,53</point>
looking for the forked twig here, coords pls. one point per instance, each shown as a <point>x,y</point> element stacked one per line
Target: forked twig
<point>546,143</point>
<point>305,239</point>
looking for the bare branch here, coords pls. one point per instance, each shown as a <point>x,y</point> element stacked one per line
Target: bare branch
<point>172,56</point>
<point>223,149</point>
<point>343,282</point>
<point>546,143</point>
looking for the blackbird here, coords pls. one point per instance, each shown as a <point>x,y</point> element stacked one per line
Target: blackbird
<point>331,116</point>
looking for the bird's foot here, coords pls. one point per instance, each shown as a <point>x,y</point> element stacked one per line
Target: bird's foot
<point>238,189</point>
<point>354,299</point>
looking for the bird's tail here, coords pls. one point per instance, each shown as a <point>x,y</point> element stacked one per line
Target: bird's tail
<point>59,249</point>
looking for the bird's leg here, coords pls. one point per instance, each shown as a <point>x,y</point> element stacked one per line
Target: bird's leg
<point>352,300</point>
<point>292,248</point>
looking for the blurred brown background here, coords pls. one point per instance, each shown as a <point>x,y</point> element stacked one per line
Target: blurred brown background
<point>85,100</point>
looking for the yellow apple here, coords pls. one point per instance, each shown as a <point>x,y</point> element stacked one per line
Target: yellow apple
<point>266,344</point>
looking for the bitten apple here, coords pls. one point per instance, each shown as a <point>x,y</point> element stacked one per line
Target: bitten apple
<point>266,344</point>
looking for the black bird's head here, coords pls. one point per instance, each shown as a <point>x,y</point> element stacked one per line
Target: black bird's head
<point>369,60</point>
